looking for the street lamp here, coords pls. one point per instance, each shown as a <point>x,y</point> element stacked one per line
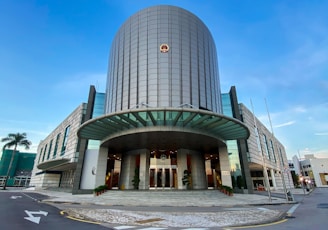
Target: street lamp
<point>308,184</point>
<point>301,180</point>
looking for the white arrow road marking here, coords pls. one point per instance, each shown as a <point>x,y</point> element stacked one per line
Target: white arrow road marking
<point>15,197</point>
<point>33,218</point>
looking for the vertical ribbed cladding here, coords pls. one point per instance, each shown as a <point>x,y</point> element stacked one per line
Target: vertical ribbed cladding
<point>140,74</point>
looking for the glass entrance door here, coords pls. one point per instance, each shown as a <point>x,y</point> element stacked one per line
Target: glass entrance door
<point>162,172</point>
<point>162,178</point>
<point>159,178</point>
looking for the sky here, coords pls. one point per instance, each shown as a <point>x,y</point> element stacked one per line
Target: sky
<point>275,52</point>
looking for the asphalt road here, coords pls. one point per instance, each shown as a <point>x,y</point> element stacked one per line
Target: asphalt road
<point>310,213</point>
<point>21,210</point>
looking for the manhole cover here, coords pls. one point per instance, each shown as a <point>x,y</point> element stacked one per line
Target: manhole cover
<point>323,205</point>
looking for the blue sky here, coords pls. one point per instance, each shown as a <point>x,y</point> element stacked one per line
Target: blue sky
<point>274,51</point>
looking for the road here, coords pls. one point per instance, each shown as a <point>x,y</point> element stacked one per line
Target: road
<point>21,210</point>
<point>310,213</point>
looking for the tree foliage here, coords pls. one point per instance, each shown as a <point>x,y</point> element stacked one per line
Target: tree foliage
<point>14,140</point>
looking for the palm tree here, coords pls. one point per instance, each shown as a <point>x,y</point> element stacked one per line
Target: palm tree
<point>14,140</point>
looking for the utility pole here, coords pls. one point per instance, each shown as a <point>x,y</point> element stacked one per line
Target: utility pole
<point>303,173</point>
<point>265,172</point>
<point>279,155</point>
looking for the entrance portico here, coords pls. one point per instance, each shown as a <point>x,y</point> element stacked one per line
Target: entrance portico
<point>157,146</point>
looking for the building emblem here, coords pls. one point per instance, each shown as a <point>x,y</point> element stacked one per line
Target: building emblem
<point>93,170</point>
<point>163,157</point>
<point>164,48</point>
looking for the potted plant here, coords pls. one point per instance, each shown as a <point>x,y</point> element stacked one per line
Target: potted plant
<point>103,188</point>
<point>136,179</point>
<point>96,191</point>
<point>229,191</point>
<point>186,178</point>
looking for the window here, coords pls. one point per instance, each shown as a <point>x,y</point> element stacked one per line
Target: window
<point>266,147</point>
<point>65,140</point>
<point>258,139</point>
<point>56,146</point>
<point>40,155</point>
<point>49,150</point>
<point>44,153</point>
<point>282,159</point>
<point>272,149</point>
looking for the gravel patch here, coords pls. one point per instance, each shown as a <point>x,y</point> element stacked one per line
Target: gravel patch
<point>176,219</point>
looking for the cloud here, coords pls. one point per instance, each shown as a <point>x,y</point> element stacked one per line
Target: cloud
<point>299,109</point>
<point>321,134</point>
<point>285,124</point>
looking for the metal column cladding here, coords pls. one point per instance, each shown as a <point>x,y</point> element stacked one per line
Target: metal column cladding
<point>163,56</point>
<point>163,87</point>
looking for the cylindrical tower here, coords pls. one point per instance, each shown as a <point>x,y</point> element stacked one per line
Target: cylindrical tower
<point>163,121</point>
<point>163,56</point>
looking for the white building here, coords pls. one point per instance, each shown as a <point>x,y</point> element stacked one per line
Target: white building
<point>312,169</point>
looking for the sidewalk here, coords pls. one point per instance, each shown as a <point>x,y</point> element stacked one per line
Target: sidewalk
<point>119,208</point>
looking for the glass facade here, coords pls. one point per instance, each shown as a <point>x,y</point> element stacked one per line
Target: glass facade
<point>99,103</point>
<point>141,75</point>
<point>98,110</point>
<point>232,145</point>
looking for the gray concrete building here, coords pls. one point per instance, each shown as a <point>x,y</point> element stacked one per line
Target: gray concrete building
<point>266,155</point>
<point>163,114</point>
<point>163,122</point>
<point>59,154</point>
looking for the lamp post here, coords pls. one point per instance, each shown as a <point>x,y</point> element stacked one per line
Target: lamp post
<point>301,180</point>
<point>280,157</point>
<point>265,172</point>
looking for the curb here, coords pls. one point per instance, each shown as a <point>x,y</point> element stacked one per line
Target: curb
<point>277,220</point>
<point>78,217</point>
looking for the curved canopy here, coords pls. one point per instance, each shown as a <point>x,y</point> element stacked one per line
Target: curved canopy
<point>213,124</point>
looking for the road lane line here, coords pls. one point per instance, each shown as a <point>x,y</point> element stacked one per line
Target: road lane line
<point>30,197</point>
<point>292,209</point>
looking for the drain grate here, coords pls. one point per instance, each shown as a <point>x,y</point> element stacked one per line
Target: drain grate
<point>322,205</point>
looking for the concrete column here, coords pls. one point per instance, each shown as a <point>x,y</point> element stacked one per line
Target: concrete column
<point>225,166</point>
<point>273,178</point>
<point>181,166</point>
<point>88,178</point>
<point>101,167</point>
<point>144,169</point>
<point>155,178</point>
<point>214,178</point>
<point>198,170</point>
<point>163,178</point>
<point>128,166</point>
<point>171,178</point>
